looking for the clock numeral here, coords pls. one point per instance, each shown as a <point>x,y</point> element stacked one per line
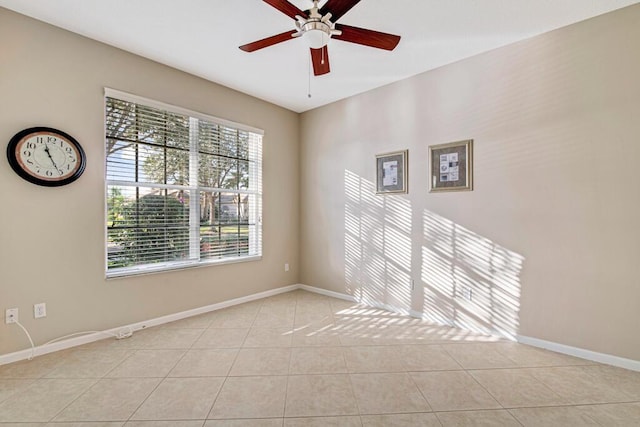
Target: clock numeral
<point>27,153</point>
<point>68,167</point>
<point>72,159</point>
<point>60,171</point>
<point>31,145</point>
<point>69,150</point>
<point>48,173</point>
<point>51,139</point>
<point>30,161</point>
<point>39,139</point>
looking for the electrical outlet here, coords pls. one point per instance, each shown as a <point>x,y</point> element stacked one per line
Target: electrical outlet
<point>11,315</point>
<point>286,267</point>
<point>40,310</point>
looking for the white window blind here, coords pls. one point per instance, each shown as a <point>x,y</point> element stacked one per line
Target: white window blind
<point>183,189</point>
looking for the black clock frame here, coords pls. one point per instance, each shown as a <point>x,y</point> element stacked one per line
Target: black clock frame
<point>15,165</point>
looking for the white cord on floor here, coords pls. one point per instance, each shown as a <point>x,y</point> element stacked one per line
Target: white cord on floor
<point>80,333</point>
<point>33,347</point>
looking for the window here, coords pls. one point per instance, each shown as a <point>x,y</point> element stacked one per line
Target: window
<point>183,189</point>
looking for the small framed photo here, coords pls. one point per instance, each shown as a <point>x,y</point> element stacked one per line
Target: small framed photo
<point>451,166</point>
<point>391,172</point>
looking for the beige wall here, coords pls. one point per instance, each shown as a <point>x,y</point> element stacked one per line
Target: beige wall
<point>548,240</point>
<point>52,239</point>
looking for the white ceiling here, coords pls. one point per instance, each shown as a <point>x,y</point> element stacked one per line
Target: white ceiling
<point>202,37</point>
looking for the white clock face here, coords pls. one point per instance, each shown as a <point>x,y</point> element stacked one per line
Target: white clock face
<point>47,157</point>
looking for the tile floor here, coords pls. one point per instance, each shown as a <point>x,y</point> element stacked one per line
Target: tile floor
<point>301,359</point>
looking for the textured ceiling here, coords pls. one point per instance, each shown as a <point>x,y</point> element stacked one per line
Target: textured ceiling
<point>202,37</point>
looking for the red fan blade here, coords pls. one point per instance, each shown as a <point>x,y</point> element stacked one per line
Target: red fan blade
<point>269,41</point>
<point>367,37</point>
<point>287,8</point>
<point>320,59</point>
<point>338,8</point>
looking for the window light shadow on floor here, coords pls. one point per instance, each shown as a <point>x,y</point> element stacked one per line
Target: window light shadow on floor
<point>462,279</point>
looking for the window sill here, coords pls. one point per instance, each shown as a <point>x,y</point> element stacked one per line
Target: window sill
<point>161,268</point>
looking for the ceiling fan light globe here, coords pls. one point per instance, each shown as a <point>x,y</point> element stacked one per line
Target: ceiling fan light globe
<point>316,39</point>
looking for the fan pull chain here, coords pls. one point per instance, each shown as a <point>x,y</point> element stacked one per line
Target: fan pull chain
<point>309,87</point>
<point>323,45</point>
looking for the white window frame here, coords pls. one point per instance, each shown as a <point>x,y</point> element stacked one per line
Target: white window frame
<point>255,210</point>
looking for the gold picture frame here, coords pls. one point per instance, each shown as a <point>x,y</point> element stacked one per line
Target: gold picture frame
<point>451,166</point>
<point>391,172</point>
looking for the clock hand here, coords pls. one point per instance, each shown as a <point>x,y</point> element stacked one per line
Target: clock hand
<point>46,148</point>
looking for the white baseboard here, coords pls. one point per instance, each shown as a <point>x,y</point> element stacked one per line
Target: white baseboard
<point>608,359</point>
<point>98,335</point>
<point>452,324</point>
<point>434,319</point>
<point>95,336</point>
<point>377,304</point>
<point>594,356</point>
<point>366,301</point>
<point>327,293</point>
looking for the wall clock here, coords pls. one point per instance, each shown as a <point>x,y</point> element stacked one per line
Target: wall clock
<point>46,156</point>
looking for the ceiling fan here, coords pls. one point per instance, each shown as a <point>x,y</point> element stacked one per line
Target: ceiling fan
<point>318,25</point>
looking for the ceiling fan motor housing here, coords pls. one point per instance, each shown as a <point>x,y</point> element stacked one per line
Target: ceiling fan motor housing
<point>317,33</point>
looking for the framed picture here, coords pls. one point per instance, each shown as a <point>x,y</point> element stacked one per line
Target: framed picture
<point>391,172</point>
<point>451,166</point>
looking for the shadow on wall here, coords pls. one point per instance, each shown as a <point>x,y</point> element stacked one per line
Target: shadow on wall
<point>377,242</point>
<point>466,280</point>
